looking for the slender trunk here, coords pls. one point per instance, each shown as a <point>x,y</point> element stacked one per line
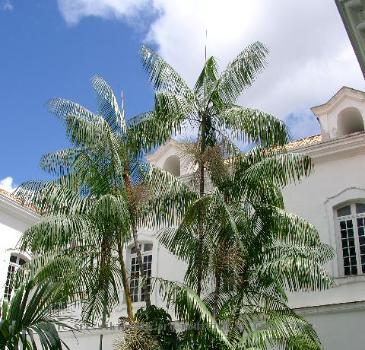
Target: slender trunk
<point>132,210</point>
<point>101,342</point>
<point>216,292</point>
<point>105,260</point>
<point>127,292</point>
<point>199,256</point>
<point>235,317</point>
<point>24,340</point>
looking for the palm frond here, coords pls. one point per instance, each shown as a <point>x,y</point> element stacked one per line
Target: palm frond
<point>189,308</point>
<point>242,72</point>
<point>108,105</point>
<point>250,125</point>
<point>62,108</point>
<point>162,75</point>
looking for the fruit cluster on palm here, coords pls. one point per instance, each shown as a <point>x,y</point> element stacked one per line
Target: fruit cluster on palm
<point>243,251</point>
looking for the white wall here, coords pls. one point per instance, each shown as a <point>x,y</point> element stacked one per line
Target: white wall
<point>336,179</point>
<point>338,328</point>
<point>14,220</point>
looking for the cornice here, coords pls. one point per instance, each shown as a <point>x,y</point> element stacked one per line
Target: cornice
<point>15,209</point>
<point>152,157</point>
<point>332,308</point>
<point>333,146</point>
<point>339,96</point>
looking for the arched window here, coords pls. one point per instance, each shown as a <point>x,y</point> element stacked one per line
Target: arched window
<point>351,224</point>
<point>136,278</point>
<point>16,260</point>
<point>172,165</point>
<point>349,121</point>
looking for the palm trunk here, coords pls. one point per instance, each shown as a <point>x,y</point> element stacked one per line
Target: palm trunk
<point>101,342</point>
<point>216,293</point>
<point>105,257</point>
<point>127,292</point>
<point>132,209</point>
<point>235,318</point>
<point>201,194</point>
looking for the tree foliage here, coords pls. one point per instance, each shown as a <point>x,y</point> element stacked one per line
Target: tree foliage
<point>30,319</point>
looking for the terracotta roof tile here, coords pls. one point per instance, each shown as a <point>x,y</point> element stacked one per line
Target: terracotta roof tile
<point>305,142</point>
<point>16,200</point>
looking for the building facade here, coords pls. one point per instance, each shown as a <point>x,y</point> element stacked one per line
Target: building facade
<point>353,16</point>
<point>332,198</point>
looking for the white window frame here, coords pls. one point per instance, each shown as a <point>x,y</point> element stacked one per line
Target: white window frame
<point>136,282</point>
<point>355,232</point>
<point>13,266</point>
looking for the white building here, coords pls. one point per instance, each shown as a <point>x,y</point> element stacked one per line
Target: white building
<point>332,198</point>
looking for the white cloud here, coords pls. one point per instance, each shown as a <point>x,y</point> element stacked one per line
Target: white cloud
<point>310,53</point>
<point>74,10</point>
<point>6,5</point>
<point>7,184</point>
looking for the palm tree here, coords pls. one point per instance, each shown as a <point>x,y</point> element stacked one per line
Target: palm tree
<point>154,330</point>
<point>30,317</point>
<point>210,107</point>
<point>102,193</point>
<point>261,324</point>
<point>253,251</point>
<point>79,241</point>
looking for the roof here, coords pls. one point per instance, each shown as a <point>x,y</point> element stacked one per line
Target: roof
<point>152,157</point>
<point>305,142</point>
<point>349,11</point>
<point>15,200</point>
<point>344,91</point>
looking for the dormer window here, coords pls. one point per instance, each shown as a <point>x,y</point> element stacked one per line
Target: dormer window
<point>172,165</point>
<point>349,121</point>
<point>342,115</point>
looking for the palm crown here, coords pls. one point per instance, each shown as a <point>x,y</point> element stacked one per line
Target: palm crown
<point>101,195</point>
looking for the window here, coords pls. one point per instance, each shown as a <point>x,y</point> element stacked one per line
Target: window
<point>349,121</point>
<point>15,262</point>
<point>136,279</point>
<point>172,165</point>
<point>351,223</point>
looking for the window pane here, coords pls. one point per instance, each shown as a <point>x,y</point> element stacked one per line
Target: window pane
<point>348,247</point>
<point>21,261</point>
<point>360,208</point>
<point>136,280</point>
<point>344,211</point>
<point>360,228</point>
<point>13,258</point>
<point>148,247</point>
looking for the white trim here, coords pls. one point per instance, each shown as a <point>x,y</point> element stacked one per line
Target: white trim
<point>129,256</point>
<point>154,157</point>
<point>12,207</point>
<point>340,95</point>
<point>337,145</point>
<point>331,308</point>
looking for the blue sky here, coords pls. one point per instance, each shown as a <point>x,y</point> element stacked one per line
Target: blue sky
<point>51,48</point>
<point>43,57</point>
